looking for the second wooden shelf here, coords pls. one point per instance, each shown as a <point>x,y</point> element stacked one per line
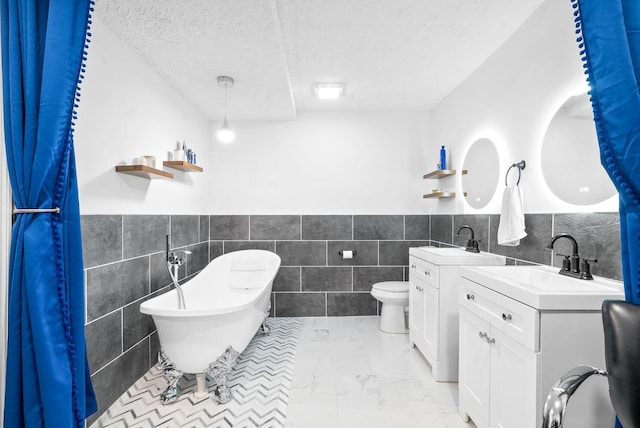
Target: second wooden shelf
<point>441,195</point>
<point>182,166</point>
<point>441,173</point>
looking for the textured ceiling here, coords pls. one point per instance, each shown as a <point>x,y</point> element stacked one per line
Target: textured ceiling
<point>390,54</point>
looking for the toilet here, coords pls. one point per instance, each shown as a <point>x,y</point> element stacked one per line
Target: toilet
<point>394,296</point>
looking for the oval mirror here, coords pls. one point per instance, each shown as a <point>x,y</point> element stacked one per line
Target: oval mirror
<point>483,170</point>
<point>571,157</point>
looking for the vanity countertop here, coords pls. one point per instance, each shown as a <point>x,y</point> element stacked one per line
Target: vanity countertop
<point>542,287</point>
<point>455,256</point>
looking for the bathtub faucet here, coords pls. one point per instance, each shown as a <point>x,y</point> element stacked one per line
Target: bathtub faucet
<point>173,265</point>
<point>174,260</point>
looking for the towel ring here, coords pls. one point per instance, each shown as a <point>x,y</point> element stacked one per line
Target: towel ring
<point>520,165</point>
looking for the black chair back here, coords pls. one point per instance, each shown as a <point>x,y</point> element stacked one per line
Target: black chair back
<point>621,322</point>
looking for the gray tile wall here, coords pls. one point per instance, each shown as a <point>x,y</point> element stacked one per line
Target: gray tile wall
<point>124,266</point>
<point>124,261</point>
<point>598,236</point>
<point>314,280</point>
<point>309,247</point>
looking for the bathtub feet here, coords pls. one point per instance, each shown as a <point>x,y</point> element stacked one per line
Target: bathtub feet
<point>219,370</point>
<point>264,327</point>
<point>172,374</point>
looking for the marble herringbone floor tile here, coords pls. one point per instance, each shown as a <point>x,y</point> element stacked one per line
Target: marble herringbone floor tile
<point>260,383</point>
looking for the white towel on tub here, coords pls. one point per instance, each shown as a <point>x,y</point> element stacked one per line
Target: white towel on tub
<point>246,275</point>
<point>511,228</point>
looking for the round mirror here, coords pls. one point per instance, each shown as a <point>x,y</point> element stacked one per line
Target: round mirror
<point>483,170</point>
<point>571,157</point>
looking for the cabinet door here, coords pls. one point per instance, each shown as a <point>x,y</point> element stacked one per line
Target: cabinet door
<point>416,309</point>
<point>514,374</point>
<point>430,335</point>
<point>475,366</point>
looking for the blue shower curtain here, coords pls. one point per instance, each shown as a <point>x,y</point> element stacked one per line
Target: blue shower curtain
<point>608,33</point>
<point>43,48</point>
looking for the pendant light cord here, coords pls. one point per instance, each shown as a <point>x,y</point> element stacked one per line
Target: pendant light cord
<point>225,100</point>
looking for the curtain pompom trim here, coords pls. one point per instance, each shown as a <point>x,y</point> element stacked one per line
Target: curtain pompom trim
<point>57,227</point>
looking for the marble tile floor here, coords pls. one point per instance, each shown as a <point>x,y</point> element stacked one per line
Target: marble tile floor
<point>349,374</point>
<point>335,372</point>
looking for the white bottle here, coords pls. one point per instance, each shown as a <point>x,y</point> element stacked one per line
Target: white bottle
<point>178,153</point>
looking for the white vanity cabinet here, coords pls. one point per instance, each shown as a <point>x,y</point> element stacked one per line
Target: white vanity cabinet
<point>424,303</point>
<point>497,372</point>
<point>433,304</point>
<point>511,354</point>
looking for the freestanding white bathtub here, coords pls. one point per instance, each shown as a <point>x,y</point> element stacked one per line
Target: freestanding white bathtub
<point>225,305</point>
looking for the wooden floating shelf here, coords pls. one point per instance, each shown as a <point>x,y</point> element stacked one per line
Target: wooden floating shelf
<point>143,171</point>
<point>441,195</point>
<point>441,173</point>
<point>182,166</point>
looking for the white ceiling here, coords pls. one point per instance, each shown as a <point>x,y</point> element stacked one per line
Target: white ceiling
<point>390,54</point>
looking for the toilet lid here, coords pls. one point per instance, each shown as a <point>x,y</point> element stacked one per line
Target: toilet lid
<point>392,286</point>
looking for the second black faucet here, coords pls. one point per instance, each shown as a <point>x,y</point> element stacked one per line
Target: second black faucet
<point>472,244</point>
<point>571,265</point>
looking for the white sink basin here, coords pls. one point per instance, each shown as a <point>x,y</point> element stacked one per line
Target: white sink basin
<point>455,256</point>
<point>542,287</point>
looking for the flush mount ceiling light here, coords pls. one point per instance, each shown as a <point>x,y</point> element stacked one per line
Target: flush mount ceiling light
<point>225,133</point>
<point>328,91</point>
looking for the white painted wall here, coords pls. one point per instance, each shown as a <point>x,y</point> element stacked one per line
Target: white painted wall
<point>324,162</point>
<point>338,162</point>
<point>128,110</point>
<point>511,99</point>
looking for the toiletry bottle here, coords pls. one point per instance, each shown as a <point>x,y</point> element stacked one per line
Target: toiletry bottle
<point>443,158</point>
<point>178,153</point>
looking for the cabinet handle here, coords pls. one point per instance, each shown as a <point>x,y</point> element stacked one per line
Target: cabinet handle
<point>470,297</point>
<point>506,317</point>
<point>413,266</point>
<point>485,335</point>
<point>428,273</point>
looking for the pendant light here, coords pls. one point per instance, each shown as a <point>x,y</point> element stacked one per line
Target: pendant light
<point>225,133</point>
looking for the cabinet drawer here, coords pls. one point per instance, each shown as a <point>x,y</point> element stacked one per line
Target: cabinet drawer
<point>515,319</point>
<point>423,270</point>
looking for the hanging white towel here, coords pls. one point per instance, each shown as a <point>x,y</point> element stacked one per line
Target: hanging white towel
<point>511,227</point>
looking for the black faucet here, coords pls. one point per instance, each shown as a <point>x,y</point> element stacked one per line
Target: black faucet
<point>472,244</point>
<point>571,265</point>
